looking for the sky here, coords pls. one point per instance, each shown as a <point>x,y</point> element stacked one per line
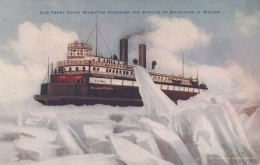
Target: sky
<point>224,46</point>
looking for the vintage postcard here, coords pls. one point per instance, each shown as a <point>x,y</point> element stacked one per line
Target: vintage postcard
<point>128,82</point>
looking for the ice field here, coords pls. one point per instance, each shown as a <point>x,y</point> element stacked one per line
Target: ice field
<point>206,129</point>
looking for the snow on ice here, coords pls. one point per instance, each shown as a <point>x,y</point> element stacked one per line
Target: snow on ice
<point>95,137</point>
<point>132,154</point>
<point>206,129</point>
<point>33,149</point>
<point>171,146</point>
<point>143,139</point>
<point>66,138</point>
<point>91,159</point>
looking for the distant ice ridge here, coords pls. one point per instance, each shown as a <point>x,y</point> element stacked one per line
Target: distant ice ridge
<point>207,124</point>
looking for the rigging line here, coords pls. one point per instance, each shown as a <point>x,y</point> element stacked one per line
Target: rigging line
<point>90,34</point>
<point>100,49</point>
<point>44,77</point>
<point>105,41</point>
<point>96,34</point>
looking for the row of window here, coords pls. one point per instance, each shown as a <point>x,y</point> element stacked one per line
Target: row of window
<point>119,71</point>
<point>122,72</point>
<point>106,60</point>
<point>78,52</point>
<point>107,70</point>
<point>160,77</point>
<point>77,68</point>
<point>168,78</point>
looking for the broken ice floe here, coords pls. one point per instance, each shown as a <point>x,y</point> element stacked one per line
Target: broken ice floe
<point>171,146</point>
<point>142,139</point>
<point>132,154</point>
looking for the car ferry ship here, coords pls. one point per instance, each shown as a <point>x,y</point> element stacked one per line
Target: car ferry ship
<point>87,78</point>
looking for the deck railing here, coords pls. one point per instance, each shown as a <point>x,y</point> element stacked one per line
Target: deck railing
<point>92,63</point>
<point>72,62</point>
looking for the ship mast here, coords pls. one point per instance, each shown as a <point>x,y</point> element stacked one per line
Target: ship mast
<point>48,72</point>
<point>102,38</point>
<point>197,72</point>
<point>96,34</point>
<point>183,64</point>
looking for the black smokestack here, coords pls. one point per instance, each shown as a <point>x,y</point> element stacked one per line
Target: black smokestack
<point>142,55</point>
<point>153,64</point>
<point>124,50</point>
<point>135,61</point>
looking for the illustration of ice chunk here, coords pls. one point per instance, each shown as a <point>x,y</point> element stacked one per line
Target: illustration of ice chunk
<point>66,138</point>
<point>144,140</point>
<point>171,146</point>
<point>132,154</point>
<point>35,150</point>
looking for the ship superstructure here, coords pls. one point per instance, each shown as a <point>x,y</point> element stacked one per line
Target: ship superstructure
<point>88,78</point>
